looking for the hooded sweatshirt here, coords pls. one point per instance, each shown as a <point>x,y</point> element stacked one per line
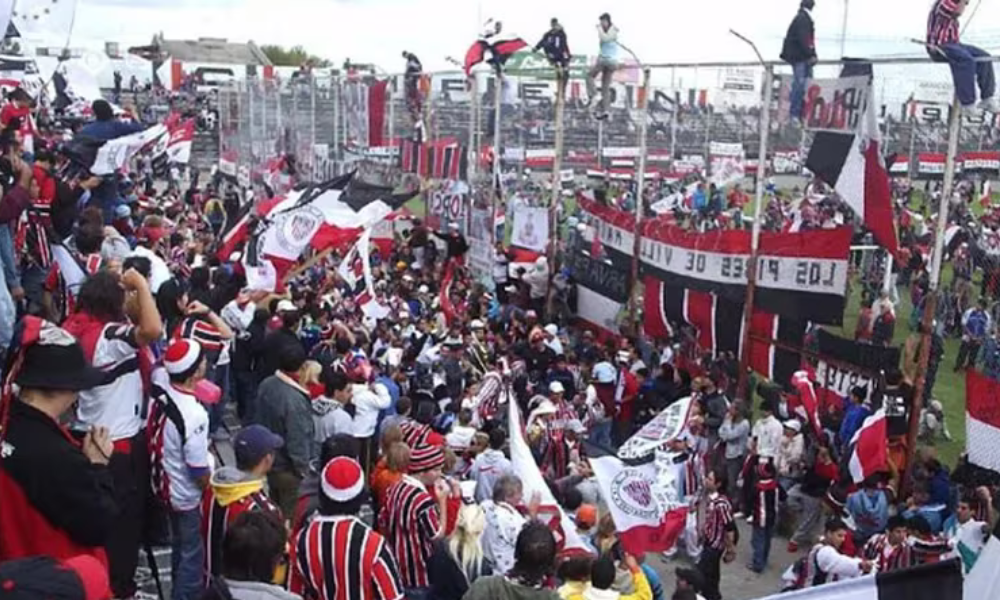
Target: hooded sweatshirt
<point>497,587</point>
<point>231,493</point>
<point>488,467</point>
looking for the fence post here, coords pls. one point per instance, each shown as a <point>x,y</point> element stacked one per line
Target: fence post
<point>930,306</point>
<point>312,125</point>
<point>473,149</point>
<point>765,127</point>
<point>640,187</point>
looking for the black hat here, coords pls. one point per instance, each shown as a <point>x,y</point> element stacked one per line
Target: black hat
<point>52,358</point>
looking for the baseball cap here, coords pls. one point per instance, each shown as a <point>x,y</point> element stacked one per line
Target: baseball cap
<point>586,516</point>
<point>254,442</point>
<point>604,372</point>
<point>286,306</point>
<point>556,388</point>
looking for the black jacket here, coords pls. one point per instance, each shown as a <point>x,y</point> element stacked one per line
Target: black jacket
<point>53,500</point>
<point>449,580</point>
<point>800,41</point>
<point>553,43</point>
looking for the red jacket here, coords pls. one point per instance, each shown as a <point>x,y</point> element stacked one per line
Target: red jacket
<point>53,500</point>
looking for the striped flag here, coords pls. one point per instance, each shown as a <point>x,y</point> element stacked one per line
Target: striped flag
<point>936,581</point>
<point>870,448</point>
<point>982,420</point>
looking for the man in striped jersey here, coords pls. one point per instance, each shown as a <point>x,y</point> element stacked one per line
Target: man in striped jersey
<point>889,550</point>
<point>412,520</point>
<point>239,489</point>
<point>337,556</point>
<point>718,533</point>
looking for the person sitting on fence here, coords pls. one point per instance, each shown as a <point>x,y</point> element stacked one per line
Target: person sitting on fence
<point>556,49</point>
<point>967,69</point>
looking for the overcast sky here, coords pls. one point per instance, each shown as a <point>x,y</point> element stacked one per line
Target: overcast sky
<point>657,31</point>
<point>377,30</point>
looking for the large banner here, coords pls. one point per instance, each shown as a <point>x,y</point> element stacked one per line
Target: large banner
<point>846,364</point>
<point>603,289</point>
<point>531,228</point>
<point>982,420</point>
<point>356,113</point>
<point>986,164</point>
<point>799,275</point>
<point>480,239</point>
<point>668,425</point>
<point>836,105</point>
<point>728,163</point>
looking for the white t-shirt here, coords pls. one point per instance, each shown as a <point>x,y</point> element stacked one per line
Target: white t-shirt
<point>768,433</point>
<point>180,456</point>
<point>117,404</point>
<point>503,524</point>
<point>460,438</point>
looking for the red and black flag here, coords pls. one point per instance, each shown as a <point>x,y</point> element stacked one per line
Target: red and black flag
<point>496,50</point>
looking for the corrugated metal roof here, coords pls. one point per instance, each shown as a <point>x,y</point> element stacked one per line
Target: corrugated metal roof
<point>209,50</point>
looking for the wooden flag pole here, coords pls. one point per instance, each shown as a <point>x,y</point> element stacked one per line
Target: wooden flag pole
<point>931,302</point>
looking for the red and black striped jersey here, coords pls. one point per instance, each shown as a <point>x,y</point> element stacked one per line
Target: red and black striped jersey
<point>410,521</point>
<point>203,332</point>
<point>341,558</point>
<point>216,519</point>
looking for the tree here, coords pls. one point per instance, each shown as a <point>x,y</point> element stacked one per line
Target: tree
<point>291,57</point>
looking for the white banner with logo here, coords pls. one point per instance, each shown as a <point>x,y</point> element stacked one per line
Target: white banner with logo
<point>836,105</point>
<point>728,162</point>
<point>787,162</point>
<point>666,426</point>
<point>531,228</point>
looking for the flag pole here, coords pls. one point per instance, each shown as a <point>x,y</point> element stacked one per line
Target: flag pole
<point>473,151</point>
<point>930,304</point>
<point>497,103</point>
<point>640,185</point>
<point>561,78</point>
<point>765,128</point>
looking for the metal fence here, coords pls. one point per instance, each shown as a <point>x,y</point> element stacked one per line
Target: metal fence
<point>322,121</point>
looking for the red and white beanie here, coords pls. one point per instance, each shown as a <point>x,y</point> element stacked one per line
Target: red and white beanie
<point>425,458</point>
<point>342,479</point>
<point>181,355</point>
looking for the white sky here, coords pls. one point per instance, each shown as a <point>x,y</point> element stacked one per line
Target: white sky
<point>377,30</point>
<point>657,31</point>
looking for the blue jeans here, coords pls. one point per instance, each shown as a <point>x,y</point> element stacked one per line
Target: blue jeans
<point>965,72</point>
<point>801,73</point>
<point>417,593</point>
<point>187,558</point>
<point>761,543</point>
<point>600,433</point>
<point>10,268</point>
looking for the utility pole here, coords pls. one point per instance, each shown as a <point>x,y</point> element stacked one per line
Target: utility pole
<point>843,31</point>
<point>930,306</point>
<point>640,186</point>
<point>765,128</point>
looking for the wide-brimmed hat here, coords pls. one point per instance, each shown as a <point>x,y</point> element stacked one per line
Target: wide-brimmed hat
<point>52,358</point>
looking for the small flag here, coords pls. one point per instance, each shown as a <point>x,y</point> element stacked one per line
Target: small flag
<point>870,448</point>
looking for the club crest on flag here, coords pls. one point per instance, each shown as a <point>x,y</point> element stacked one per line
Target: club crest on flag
<point>632,494</point>
<point>296,229</point>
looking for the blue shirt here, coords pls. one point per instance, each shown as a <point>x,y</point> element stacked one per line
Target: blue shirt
<point>854,417</point>
<point>870,513</point>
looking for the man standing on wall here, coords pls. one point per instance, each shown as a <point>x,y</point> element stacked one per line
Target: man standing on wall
<point>799,50</point>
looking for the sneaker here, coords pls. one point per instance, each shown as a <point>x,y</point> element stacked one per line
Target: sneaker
<point>989,105</point>
<point>601,116</point>
<point>739,515</point>
<point>750,519</point>
<point>793,548</point>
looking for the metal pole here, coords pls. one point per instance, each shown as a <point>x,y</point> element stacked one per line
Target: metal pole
<point>765,127</point>
<point>312,125</point>
<point>279,121</point>
<point>843,31</point>
<point>930,307</point>
<point>673,126</point>
<point>640,186</point>
<point>497,103</point>
<point>473,121</point>
<point>253,132</point>
<point>556,200</point>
